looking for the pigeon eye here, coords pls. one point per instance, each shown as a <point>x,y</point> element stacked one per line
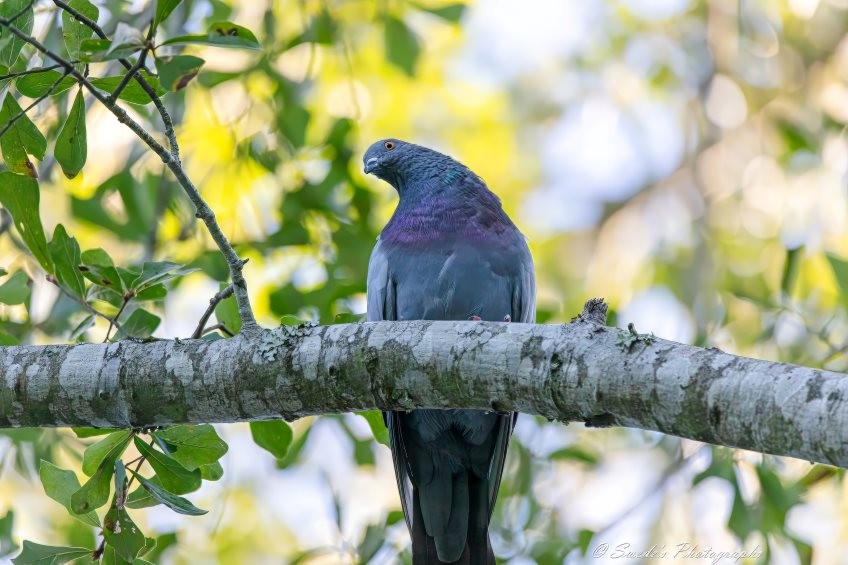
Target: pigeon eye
<point>389,145</point>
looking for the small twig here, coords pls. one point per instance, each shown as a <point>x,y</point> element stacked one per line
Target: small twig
<point>160,107</point>
<point>83,303</point>
<point>30,72</point>
<point>141,461</point>
<point>204,212</point>
<point>37,101</point>
<point>142,57</point>
<point>221,327</point>
<point>113,322</point>
<point>199,331</point>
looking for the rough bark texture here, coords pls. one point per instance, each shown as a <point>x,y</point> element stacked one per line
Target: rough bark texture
<point>582,371</point>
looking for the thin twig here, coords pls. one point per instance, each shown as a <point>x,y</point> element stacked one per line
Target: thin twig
<point>21,12</point>
<point>204,212</point>
<point>82,302</point>
<point>116,317</point>
<point>37,101</point>
<point>198,332</point>
<point>142,459</point>
<point>160,106</point>
<point>215,327</point>
<point>30,72</point>
<point>135,68</point>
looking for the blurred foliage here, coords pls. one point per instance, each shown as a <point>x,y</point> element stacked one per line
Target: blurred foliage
<point>738,243</point>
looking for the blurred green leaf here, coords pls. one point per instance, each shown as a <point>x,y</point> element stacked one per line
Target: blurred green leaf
<point>378,426</point>
<point>220,34</point>
<point>20,196</point>
<point>37,85</point>
<point>95,453</point>
<point>289,320</point>
<point>140,324</point>
<point>274,436</point>
<point>92,432</point>
<point>60,484</point>
<point>65,252</point>
<point>15,290</point>
<point>449,12</point>
<point>121,533</point>
<point>321,29</point>
<point>37,554</point>
<point>163,10</point>
<point>176,72</point>
<point>226,312</point>
<point>80,329</point>
<point>133,91</point>
<point>73,30</point>
<point>176,503</point>
<point>7,544</point>
<point>576,453</point>
<point>71,148</point>
<point>402,46</point>
<point>21,139</point>
<point>174,477</point>
<point>10,45</point>
<point>348,318</point>
<point>584,538</point>
<point>99,50</point>
<point>193,445</point>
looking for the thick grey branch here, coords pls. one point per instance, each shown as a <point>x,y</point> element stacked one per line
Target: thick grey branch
<point>576,372</point>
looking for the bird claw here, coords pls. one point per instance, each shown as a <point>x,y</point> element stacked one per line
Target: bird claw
<point>475,318</point>
<point>507,318</point>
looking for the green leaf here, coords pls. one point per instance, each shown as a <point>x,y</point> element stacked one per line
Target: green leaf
<point>790,269</point>
<point>95,492</point>
<point>65,252</point>
<point>140,324</point>
<point>7,543</point>
<point>584,538</point>
<point>193,446</point>
<point>132,92</point>
<point>226,312</point>
<point>73,30</point>
<point>176,503</point>
<point>274,436</point>
<point>155,292</point>
<point>98,50</point>
<point>449,12</point>
<point>121,533</point>
<point>348,318</point>
<point>21,139</point>
<point>10,45</point>
<point>289,320</point>
<point>163,10</point>
<point>37,554</point>
<point>60,484</point>
<point>19,195</point>
<point>402,46</point>
<point>378,426</point>
<point>575,453</point>
<point>37,85</point>
<point>71,148</point>
<point>158,272</point>
<point>82,327</point>
<point>321,29</point>
<point>176,72</point>
<point>840,271</point>
<point>141,498</point>
<point>211,471</point>
<point>92,432</point>
<point>98,267</point>
<point>174,477</point>
<point>220,34</point>
<point>16,289</point>
<point>94,454</point>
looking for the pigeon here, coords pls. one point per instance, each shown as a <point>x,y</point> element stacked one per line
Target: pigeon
<point>449,252</point>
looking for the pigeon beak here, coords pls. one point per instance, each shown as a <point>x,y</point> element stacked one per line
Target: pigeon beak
<point>371,164</point>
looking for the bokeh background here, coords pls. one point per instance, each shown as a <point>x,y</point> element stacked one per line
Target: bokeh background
<point>686,160</point>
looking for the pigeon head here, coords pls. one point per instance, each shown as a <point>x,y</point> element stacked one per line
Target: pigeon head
<point>402,164</point>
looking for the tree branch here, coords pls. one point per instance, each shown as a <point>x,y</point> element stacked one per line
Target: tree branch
<point>139,78</point>
<point>198,332</point>
<point>204,212</point>
<point>34,103</point>
<point>581,371</point>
